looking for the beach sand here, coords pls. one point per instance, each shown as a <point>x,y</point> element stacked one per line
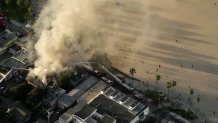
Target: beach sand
<point>179,35</point>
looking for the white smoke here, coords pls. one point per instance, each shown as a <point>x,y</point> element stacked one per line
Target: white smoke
<point>65,34</point>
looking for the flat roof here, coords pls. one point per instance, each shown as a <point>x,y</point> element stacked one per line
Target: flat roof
<point>56,93</point>
<point>67,115</point>
<point>83,87</point>
<point>20,112</point>
<point>14,63</point>
<point>15,47</point>
<point>4,70</point>
<point>105,105</point>
<point>22,55</point>
<point>66,100</point>
<point>5,38</point>
<point>70,112</point>
<point>131,104</point>
<point>94,91</point>
<point>107,119</point>
<point>4,56</point>
<point>85,112</point>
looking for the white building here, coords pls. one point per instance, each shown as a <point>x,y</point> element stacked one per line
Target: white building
<point>109,106</point>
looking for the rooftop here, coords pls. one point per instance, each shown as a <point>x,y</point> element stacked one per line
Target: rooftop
<point>4,56</point>
<point>70,112</point>
<point>107,119</point>
<point>67,115</point>
<point>4,71</point>
<point>133,106</point>
<point>54,94</point>
<point>86,112</point>
<point>19,112</point>
<point>93,91</point>
<point>5,38</point>
<point>107,106</point>
<point>83,87</point>
<point>15,47</point>
<point>13,63</point>
<point>66,100</point>
<point>22,55</point>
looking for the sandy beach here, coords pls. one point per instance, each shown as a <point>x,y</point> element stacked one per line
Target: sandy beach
<point>179,35</point>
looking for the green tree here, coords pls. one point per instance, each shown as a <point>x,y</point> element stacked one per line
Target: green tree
<point>20,91</point>
<point>8,2</point>
<point>20,3</point>
<point>197,100</point>
<point>158,77</point>
<point>64,81</point>
<point>35,96</point>
<point>168,86</point>
<point>190,92</point>
<point>27,3</point>
<point>174,83</point>
<point>132,71</point>
<point>147,84</point>
<point>30,11</point>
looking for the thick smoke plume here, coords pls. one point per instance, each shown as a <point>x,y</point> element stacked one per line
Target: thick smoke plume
<point>73,31</point>
<point>65,34</point>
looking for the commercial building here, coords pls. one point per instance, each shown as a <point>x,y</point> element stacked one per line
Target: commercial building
<point>67,117</point>
<point>65,101</point>
<point>51,99</point>
<point>120,106</point>
<point>109,105</point>
<point>72,97</point>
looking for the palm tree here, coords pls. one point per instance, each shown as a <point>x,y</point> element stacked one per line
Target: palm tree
<point>197,100</point>
<point>190,92</point>
<point>132,71</point>
<point>158,77</point>
<point>168,86</point>
<point>174,83</point>
<point>147,84</point>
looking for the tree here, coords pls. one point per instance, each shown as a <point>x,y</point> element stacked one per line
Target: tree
<point>30,11</point>
<point>35,96</point>
<point>147,84</point>
<point>168,86</point>
<point>132,71</point>
<point>20,3</point>
<point>190,92</point>
<point>20,91</point>
<point>197,100</point>
<point>8,2</point>
<point>158,77</point>
<point>27,3</point>
<point>174,83</point>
